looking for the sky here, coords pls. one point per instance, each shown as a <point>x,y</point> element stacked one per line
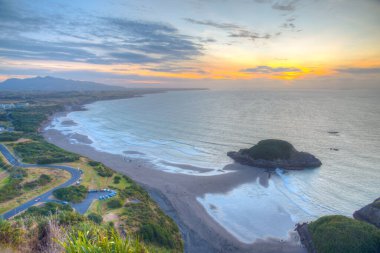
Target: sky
<point>194,43</point>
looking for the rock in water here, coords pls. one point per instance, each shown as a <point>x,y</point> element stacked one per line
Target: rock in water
<point>370,213</point>
<point>275,154</point>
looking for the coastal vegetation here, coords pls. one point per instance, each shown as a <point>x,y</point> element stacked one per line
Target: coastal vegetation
<point>340,234</point>
<point>114,203</point>
<point>42,152</point>
<point>10,136</point>
<point>74,194</point>
<point>47,209</point>
<point>29,119</point>
<point>95,218</point>
<point>42,180</point>
<point>102,170</point>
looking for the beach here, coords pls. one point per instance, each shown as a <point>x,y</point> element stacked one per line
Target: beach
<point>177,196</point>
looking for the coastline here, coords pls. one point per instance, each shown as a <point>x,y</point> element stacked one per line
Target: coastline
<point>176,195</point>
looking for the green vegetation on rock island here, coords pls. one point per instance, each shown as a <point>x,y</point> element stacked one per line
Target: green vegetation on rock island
<point>340,234</point>
<point>271,150</point>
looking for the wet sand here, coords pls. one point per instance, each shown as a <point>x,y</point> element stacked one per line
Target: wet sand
<point>176,194</point>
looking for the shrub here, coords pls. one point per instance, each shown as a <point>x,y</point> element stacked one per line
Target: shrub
<point>41,181</point>
<point>339,234</point>
<point>154,233</point>
<point>102,170</point>
<point>116,179</point>
<point>95,218</point>
<point>70,218</point>
<point>47,209</point>
<point>10,235</point>
<point>10,136</point>
<point>73,194</point>
<point>11,189</point>
<point>114,203</point>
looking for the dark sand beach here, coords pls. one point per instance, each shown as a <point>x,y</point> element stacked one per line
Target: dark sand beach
<point>177,193</point>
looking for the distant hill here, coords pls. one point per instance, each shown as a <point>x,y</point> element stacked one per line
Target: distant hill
<point>53,84</point>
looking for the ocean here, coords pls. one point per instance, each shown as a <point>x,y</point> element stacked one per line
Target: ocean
<point>196,129</point>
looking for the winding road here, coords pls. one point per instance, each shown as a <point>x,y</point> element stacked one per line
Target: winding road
<point>75,176</point>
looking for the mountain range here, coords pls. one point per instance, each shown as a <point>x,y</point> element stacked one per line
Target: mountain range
<point>49,83</point>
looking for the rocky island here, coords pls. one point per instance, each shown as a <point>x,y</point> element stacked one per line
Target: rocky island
<point>274,154</point>
<point>370,213</point>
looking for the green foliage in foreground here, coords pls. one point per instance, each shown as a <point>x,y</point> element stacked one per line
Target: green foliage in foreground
<point>42,152</point>
<point>44,230</point>
<point>339,234</point>
<point>271,150</point>
<point>75,194</point>
<point>102,170</point>
<point>9,235</point>
<point>100,241</point>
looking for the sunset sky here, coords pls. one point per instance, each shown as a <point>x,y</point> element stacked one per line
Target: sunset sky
<point>194,43</point>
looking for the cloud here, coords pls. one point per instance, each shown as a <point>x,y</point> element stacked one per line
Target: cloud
<point>25,48</point>
<point>176,69</point>
<point>13,18</point>
<point>100,40</point>
<point>285,5</point>
<point>227,26</point>
<point>270,70</point>
<point>128,57</point>
<point>374,70</point>
<point>249,35</point>
<point>234,30</point>
<point>281,5</point>
<point>288,25</point>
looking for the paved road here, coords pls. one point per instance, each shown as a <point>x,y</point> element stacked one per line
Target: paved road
<point>75,175</point>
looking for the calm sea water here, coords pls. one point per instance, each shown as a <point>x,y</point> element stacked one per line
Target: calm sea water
<point>198,127</point>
